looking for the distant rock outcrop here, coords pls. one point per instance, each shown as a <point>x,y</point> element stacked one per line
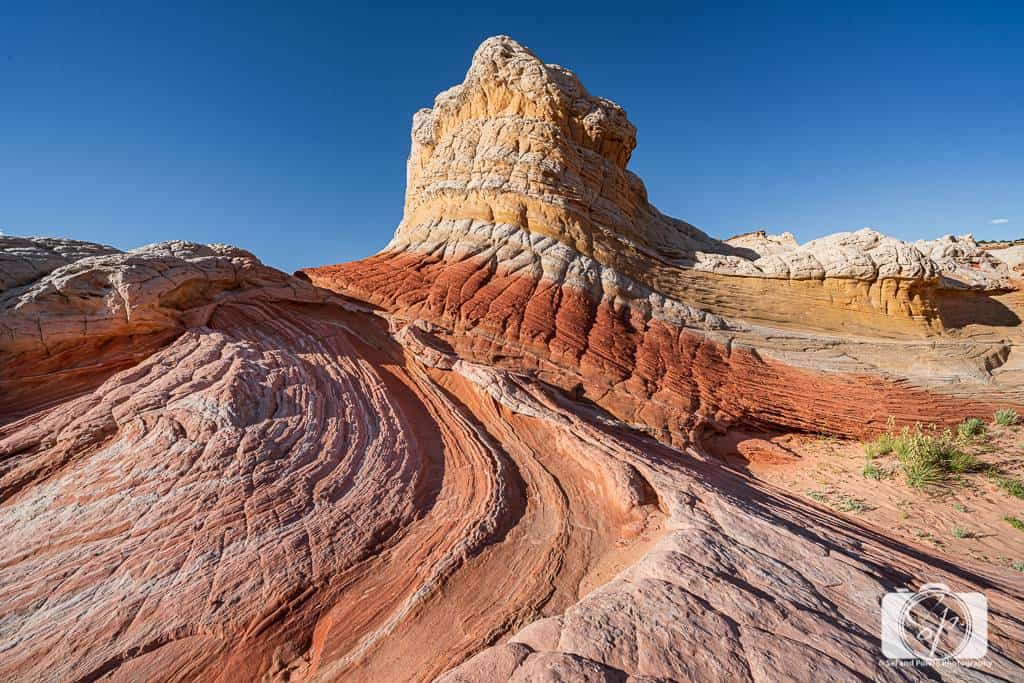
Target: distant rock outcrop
<point>963,263</point>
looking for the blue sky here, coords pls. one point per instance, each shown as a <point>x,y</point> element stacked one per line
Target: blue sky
<point>284,127</point>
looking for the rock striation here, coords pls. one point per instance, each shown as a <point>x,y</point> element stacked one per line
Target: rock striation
<point>480,454</point>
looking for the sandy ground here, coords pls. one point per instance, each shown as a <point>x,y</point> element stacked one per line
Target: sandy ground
<point>964,518</point>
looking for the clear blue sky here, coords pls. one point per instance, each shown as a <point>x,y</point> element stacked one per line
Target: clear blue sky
<point>284,127</point>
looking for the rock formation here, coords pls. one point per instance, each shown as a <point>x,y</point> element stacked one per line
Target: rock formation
<point>75,310</point>
<point>965,264</point>
<point>480,454</point>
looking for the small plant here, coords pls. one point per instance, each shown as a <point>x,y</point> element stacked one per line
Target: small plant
<point>970,428</point>
<point>815,495</point>
<point>848,504</point>
<point>961,462</point>
<point>1014,522</point>
<point>959,507</point>
<point>1015,487</point>
<point>873,471</point>
<point>922,474</point>
<point>1019,565</point>
<point>1006,417</point>
<point>960,532</point>
<point>928,457</point>
<point>884,442</point>
<point>883,445</point>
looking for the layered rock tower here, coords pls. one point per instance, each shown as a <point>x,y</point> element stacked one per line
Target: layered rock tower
<point>526,239</point>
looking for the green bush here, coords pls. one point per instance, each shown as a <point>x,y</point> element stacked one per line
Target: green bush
<point>961,463</point>
<point>883,445</point>
<point>971,427</point>
<point>926,456</point>
<point>1006,417</point>
<point>922,475</point>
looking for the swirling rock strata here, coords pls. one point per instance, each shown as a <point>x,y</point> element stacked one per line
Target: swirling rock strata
<point>312,491</point>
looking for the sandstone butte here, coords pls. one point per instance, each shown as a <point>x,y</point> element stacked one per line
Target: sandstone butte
<point>480,454</point>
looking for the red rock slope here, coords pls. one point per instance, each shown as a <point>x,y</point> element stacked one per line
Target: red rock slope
<point>478,455</point>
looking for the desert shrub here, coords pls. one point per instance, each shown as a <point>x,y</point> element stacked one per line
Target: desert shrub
<point>970,428</point>
<point>1014,522</point>
<point>926,456</point>
<point>1014,487</point>
<point>873,471</point>
<point>883,445</point>
<point>962,463</point>
<point>1006,417</point>
<point>921,474</point>
<point>960,532</point>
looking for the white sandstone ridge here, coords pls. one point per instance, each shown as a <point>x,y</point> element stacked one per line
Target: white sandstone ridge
<point>762,244</point>
<point>55,291</point>
<point>522,143</point>
<point>865,255</point>
<point>862,255</point>
<point>1010,253</point>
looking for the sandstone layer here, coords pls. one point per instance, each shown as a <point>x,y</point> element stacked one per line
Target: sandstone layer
<point>480,454</point>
